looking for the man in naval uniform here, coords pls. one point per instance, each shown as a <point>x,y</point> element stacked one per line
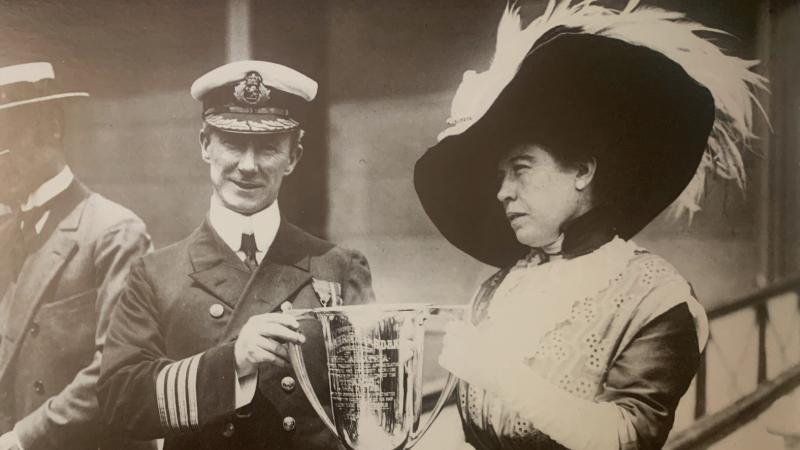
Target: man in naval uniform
<point>196,350</point>
<point>64,256</point>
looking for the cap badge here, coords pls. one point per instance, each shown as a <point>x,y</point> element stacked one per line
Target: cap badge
<point>251,90</point>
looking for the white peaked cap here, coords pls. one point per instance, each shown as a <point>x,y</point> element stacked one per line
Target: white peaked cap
<point>273,75</point>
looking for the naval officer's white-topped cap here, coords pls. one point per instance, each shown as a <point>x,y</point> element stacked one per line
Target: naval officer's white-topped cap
<point>23,84</point>
<point>252,96</point>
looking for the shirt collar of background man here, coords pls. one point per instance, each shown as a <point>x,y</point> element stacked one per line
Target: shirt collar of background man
<point>49,189</point>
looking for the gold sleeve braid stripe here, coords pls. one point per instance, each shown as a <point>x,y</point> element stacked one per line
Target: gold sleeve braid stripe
<point>176,392</point>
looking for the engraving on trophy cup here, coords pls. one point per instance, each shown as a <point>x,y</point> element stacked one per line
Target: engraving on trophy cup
<point>373,377</point>
<point>375,374</point>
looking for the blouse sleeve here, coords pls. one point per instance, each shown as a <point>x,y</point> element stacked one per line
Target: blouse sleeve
<point>651,375</point>
<point>634,411</point>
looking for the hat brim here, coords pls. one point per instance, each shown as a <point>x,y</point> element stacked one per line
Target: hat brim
<point>457,184</point>
<point>46,98</point>
<point>251,123</point>
<point>652,118</point>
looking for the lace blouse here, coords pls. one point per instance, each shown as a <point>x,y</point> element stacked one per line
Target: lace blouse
<point>592,352</point>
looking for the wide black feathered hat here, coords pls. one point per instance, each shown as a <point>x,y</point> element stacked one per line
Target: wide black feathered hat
<point>656,104</point>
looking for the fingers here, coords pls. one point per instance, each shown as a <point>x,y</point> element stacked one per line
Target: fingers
<point>277,356</point>
<point>281,334</point>
<point>274,347</point>
<point>276,326</point>
<point>262,341</point>
<point>279,318</point>
<point>258,349</point>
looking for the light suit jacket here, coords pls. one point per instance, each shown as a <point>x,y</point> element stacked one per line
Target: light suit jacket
<point>54,315</point>
<point>168,370</point>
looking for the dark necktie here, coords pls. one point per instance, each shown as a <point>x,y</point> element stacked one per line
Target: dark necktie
<point>249,248</point>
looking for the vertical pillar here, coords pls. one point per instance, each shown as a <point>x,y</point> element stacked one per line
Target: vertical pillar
<point>766,224</point>
<point>296,34</point>
<point>785,114</point>
<point>238,30</point>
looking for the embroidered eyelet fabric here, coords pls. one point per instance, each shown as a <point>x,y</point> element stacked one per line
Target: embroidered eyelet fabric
<point>572,343</point>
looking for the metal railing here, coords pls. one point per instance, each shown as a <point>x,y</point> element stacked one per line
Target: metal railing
<point>708,429</point>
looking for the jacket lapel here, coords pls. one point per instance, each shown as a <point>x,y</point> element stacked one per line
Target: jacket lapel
<point>36,276</point>
<point>41,268</point>
<point>283,271</point>
<point>216,267</point>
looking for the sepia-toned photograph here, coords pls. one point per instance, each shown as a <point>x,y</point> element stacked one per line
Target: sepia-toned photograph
<point>395,225</point>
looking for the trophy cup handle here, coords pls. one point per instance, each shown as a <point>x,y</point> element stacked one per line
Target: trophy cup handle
<point>447,391</point>
<point>299,366</point>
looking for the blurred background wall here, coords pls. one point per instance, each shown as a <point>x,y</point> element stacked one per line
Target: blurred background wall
<point>389,100</point>
<point>387,72</point>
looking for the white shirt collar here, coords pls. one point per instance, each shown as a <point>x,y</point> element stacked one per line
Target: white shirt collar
<point>230,226</point>
<point>49,189</point>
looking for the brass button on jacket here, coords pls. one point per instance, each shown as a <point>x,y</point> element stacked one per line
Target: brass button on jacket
<point>216,310</point>
<point>288,384</point>
<point>289,423</point>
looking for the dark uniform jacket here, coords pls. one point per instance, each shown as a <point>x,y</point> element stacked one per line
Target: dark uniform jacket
<point>54,315</point>
<point>169,368</point>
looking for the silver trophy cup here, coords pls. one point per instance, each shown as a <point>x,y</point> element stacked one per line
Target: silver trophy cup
<point>375,373</point>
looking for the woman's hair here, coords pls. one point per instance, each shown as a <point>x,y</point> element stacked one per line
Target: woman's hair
<point>570,148</point>
<point>606,185</point>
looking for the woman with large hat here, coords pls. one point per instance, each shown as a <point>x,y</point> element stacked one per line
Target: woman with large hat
<point>589,122</point>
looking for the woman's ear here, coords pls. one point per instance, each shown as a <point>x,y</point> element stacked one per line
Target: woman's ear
<point>585,173</point>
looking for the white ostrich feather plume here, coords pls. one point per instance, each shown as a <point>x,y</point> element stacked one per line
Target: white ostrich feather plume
<point>731,80</point>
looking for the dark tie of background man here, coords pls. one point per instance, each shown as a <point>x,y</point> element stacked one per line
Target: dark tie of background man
<point>28,240</point>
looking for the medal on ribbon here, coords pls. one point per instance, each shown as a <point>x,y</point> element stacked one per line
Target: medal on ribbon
<point>328,292</point>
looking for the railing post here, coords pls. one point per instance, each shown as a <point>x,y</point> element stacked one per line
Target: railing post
<point>762,317</point>
<point>700,388</point>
